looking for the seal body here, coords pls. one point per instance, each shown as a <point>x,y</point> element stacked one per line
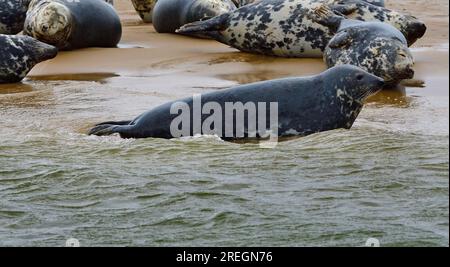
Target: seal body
<point>240,3</point>
<point>19,54</point>
<point>169,15</point>
<point>285,28</point>
<point>12,15</point>
<point>375,47</point>
<point>410,26</point>
<point>69,24</point>
<point>307,105</point>
<point>145,9</point>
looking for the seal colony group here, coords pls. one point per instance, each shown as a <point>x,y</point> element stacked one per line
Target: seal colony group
<point>363,43</point>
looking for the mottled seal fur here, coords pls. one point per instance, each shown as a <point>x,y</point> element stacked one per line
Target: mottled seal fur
<point>410,26</point>
<point>12,15</point>
<point>307,105</point>
<point>145,9</point>
<point>375,47</point>
<point>69,24</point>
<point>271,27</point>
<point>169,15</point>
<point>19,54</point>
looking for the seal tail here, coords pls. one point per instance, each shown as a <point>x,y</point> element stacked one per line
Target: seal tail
<point>209,28</point>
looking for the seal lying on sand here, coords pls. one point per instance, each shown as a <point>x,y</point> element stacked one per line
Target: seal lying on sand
<point>12,15</point>
<point>69,24</point>
<point>410,26</point>
<point>285,28</point>
<point>19,54</point>
<point>303,106</point>
<point>272,27</point>
<point>144,8</point>
<point>375,47</point>
<point>169,15</point>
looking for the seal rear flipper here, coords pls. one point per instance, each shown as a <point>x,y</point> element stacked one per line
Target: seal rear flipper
<point>109,129</point>
<point>209,28</point>
<point>115,123</point>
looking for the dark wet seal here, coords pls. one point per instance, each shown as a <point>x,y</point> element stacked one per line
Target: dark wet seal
<point>305,105</point>
<point>94,77</point>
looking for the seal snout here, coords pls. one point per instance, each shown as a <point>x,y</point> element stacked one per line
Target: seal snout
<point>417,30</point>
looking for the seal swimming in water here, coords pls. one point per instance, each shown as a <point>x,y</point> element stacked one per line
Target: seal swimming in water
<point>375,47</point>
<point>169,15</point>
<point>145,9</point>
<point>410,26</point>
<point>12,15</point>
<point>328,101</point>
<point>69,24</point>
<point>19,54</point>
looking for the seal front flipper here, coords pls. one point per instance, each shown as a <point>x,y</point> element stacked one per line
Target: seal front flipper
<point>209,28</point>
<point>323,15</point>
<point>344,9</point>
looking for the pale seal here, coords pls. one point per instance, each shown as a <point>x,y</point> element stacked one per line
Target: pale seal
<point>328,101</point>
<point>69,24</point>
<point>169,15</point>
<point>19,54</point>
<point>145,9</point>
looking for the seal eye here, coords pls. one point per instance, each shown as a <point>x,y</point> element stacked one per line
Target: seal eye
<point>359,77</point>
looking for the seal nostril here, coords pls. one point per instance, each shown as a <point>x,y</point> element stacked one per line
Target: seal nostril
<point>359,77</point>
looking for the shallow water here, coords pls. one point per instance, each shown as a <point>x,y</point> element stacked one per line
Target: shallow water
<point>386,178</point>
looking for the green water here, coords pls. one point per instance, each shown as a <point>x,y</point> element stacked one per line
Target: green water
<point>386,178</point>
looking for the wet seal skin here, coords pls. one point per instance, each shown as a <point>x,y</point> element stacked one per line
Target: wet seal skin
<point>410,26</point>
<point>272,27</point>
<point>19,54</point>
<point>375,47</point>
<point>12,15</point>
<point>145,9</point>
<point>69,24</point>
<point>169,15</point>
<point>306,105</point>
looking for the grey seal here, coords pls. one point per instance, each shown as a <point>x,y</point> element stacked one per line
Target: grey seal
<point>12,15</point>
<point>307,105</point>
<point>145,9</point>
<point>19,54</point>
<point>69,24</point>
<point>169,15</point>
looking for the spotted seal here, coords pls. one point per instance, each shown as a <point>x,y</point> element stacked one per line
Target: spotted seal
<point>307,105</point>
<point>12,15</point>
<point>410,26</point>
<point>375,47</point>
<point>145,9</point>
<point>19,54</point>
<point>69,24</point>
<point>169,15</point>
<point>282,28</point>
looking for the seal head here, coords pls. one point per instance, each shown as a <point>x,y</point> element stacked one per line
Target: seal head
<point>19,54</point>
<point>50,22</point>
<point>375,47</point>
